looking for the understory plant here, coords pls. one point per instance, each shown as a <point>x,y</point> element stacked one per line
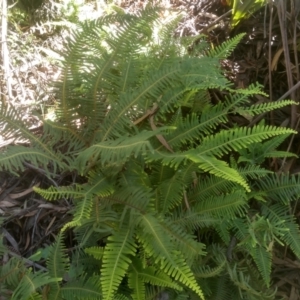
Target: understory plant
<point>170,196</point>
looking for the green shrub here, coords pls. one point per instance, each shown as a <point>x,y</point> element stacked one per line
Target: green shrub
<point>162,203</point>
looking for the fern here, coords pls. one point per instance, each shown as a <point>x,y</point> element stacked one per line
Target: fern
<point>168,181</point>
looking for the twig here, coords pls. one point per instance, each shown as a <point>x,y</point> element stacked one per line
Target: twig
<point>186,201</point>
<point>5,53</point>
<point>148,113</point>
<point>27,261</point>
<point>281,7</point>
<point>159,136</point>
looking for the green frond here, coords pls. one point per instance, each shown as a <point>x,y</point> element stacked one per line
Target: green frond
<point>35,296</point>
<point>169,193</point>
<point>160,173</point>
<point>14,127</point>
<point>243,283</point>
<point>210,186</point>
<point>134,188</point>
<point>57,261</point>
<point>173,160</point>
<point>217,167</point>
<point>236,98</point>
<point>117,150</point>
<point>116,260</point>
<point>98,185</point>
<point>29,284</point>
<point>13,157</point>
<point>225,49</point>
<point>12,124</point>
<point>160,247</point>
<point>192,219</point>
<point>133,197</point>
<point>222,288</point>
<point>83,289</point>
<point>55,193</point>
<point>235,139</point>
<point>207,272</point>
<point>261,108</point>
<point>191,129</point>
<point>256,153</point>
<point>227,206</point>
<point>65,136</point>
<point>144,97</point>
<point>140,275</point>
<point>81,211</point>
<point>281,188</point>
<point>274,154</point>
<point>57,264</point>
<point>253,88</point>
<point>169,101</point>
<point>287,229</point>
<point>223,228</point>
<point>183,241</point>
<point>11,270</point>
<point>96,252</point>
<point>136,283</point>
<point>263,260</point>
<point>194,78</point>
<point>253,171</point>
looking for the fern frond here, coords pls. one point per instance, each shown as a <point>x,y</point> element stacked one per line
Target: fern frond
<point>12,124</point>
<point>263,260</point>
<point>238,138</point>
<point>253,171</point>
<point>193,220</point>
<point>96,252</point>
<point>146,95</point>
<point>65,136</point>
<point>57,264</point>
<point>117,150</point>
<point>13,157</point>
<point>136,283</point>
<point>173,160</point>
<point>81,212</point>
<point>207,271</point>
<point>225,49</point>
<point>134,188</point>
<point>116,260</point>
<point>281,188</point>
<point>217,167</point>
<point>243,282</point>
<point>140,275</point>
<point>29,284</point>
<point>183,241</point>
<point>286,228</point>
<point>190,129</point>
<point>11,270</point>
<point>263,107</point>
<point>169,193</point>
<point>83,289</point>
<point>230,205</point>
<point>55,193</point>
<point>210,186</point>
<point>160,247</point>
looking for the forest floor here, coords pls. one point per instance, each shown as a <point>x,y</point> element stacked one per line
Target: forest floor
<point>267,55</point>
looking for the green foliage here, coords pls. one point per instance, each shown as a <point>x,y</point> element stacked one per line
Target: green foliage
<point>243,9</point>
<point>168,180</point>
